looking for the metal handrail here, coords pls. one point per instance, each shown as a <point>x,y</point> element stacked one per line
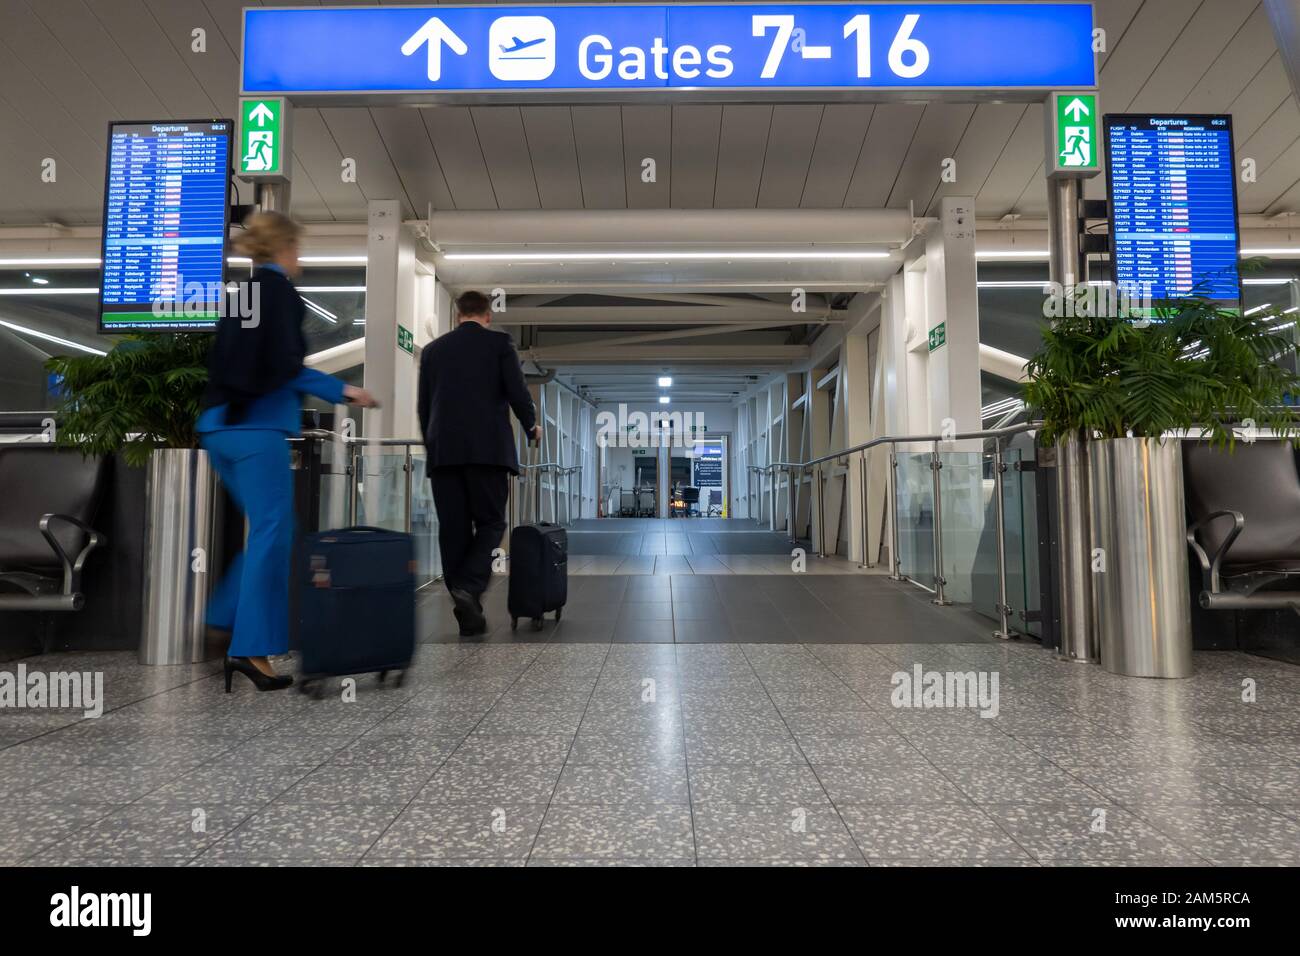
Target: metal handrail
<point>907,439</point>
<point>936,465</point>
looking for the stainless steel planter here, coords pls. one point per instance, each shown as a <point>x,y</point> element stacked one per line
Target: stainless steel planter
<point>182,517</point>
<point>1142,608</point>
<point>1078,635</point>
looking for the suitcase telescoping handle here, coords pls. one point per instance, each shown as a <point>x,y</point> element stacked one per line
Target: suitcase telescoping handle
<point>366,527</point>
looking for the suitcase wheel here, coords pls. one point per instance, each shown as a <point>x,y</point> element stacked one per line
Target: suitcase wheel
<point>382,675</point>
<point>537,623</point>
<point>558,611</point>
<point>304,686</point>
<point>514,624</point>
<point>401,678</point>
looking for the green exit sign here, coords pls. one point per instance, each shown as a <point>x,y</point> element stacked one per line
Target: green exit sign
<point>1073,135</point>
<point>405,340</point>
<point>263,147</point>
<point>938,336</point>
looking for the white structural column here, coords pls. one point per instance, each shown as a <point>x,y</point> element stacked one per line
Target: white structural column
<point>952,299</point>
<point>391,301</point>
<point>933,300</point>
<point>853,396</point>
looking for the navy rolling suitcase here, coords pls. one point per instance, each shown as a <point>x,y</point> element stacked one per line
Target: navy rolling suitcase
<point>358,604</point>
<point>539,572</point>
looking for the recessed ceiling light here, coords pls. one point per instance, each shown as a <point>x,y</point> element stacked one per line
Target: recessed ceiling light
<point>663,399</point>
<point>662,254</point>
<point>665,381</point>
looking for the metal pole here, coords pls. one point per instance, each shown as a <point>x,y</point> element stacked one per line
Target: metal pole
<point>355,484</point>
<point>409,469</point>
<point>936,465</point>
<point>555,496</point>
<point>821,512</point>
<point>866,558</point>
<point>895,558</point>
<point>791,502</point>
<point>1004,611</point>
<point>536,471</point>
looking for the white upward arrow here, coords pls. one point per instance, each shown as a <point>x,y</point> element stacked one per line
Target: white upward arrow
<point>435,33</point>
<point>1077,109</point>
<point>261,114</point>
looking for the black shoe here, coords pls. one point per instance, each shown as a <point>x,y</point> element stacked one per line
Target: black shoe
<point>469,613</point>
<point>260,680</point>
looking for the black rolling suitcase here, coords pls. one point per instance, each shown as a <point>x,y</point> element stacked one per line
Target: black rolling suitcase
<point>357,608</point>
<point>539,572</point>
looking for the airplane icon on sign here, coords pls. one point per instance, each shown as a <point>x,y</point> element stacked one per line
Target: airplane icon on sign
<point>521,48</point>
<point>518,44</point>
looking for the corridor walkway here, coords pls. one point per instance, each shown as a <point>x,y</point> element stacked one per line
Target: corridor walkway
<point>686,754</point>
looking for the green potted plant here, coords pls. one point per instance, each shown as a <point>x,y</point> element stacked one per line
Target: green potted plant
<point>140,402</point>
<point>1113,390</point>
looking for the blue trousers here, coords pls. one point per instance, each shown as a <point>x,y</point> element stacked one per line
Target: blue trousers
<point>252,600</point>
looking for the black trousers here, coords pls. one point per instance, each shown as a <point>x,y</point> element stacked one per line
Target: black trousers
<point>471,503</point>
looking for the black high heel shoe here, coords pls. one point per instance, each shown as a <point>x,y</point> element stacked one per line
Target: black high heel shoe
<point>260,681</point>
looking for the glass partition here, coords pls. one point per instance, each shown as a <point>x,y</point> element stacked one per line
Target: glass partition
<point>965,494</point>
<point>381,502</point>
<point>916,517</point>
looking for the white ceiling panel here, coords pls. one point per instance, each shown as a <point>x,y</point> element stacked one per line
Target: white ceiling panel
<point>648,134</point>
<point>1011,186</point>
<point>987,133</point>
<point>417,165</point>
<point>1192,55</point>
<point>549,130</point>
<point>1272,183</point>
<point>143,45</point>
<point>835,156</point>
<point>101,59</point>
<point>316,152</point>
<point>742,142</point>
<point>889,136</point>
<point>1233,69</point>
<point>598,135</point>
<point>451,129</point>
<point>29,42</point>
<point>501,137</point>
<point>358,139</point>
<point>941,128</point>
<point>696,130</point>
<point>790,141</point>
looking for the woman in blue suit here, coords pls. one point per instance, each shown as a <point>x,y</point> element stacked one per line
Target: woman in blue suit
<point>251,406</point>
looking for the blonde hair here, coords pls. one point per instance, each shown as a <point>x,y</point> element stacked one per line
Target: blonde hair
<point>266,235</point>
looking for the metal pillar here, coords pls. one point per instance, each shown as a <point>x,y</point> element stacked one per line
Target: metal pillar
<point>895,559</point>
<point>1004,611</point>
<point>408,468</point>
<point>1066,266</point>
<point>791,502</point>
<point>936,465</point>
<point>819,489</point>
<point>866,558</point>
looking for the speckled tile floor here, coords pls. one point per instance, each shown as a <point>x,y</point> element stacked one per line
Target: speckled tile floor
<point>666,754</point>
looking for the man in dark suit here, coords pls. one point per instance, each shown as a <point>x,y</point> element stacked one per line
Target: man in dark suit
<point>470,380</point>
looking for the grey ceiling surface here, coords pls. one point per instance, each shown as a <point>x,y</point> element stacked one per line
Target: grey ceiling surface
<point>68,67</point>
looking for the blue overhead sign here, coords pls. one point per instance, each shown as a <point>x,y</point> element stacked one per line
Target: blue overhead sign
<point>339,51</point>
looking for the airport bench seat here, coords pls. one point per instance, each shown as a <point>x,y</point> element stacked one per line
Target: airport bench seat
<point>48,499</point>
<point>1245,523</point>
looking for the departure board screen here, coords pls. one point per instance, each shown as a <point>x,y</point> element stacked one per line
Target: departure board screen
<point>1173,195</point>
<point>166,217</point>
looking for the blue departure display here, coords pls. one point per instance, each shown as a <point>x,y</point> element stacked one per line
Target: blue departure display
<point>166,214</point>
<point>1173,201</point>
<point>612,47</point>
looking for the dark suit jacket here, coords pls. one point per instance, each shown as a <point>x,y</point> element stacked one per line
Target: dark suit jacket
<point>470,379</point>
